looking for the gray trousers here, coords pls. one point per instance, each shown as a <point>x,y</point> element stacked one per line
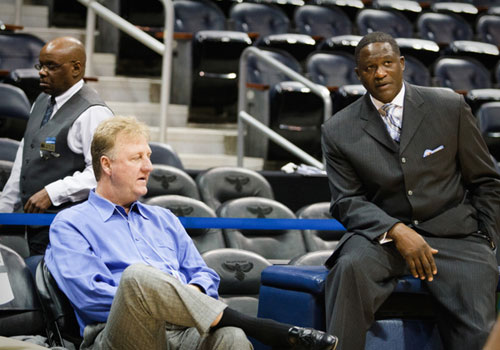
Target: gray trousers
<point>365,272</point>
<point>154,311</point>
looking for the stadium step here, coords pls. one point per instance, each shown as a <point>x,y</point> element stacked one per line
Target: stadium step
<point>31,15</point>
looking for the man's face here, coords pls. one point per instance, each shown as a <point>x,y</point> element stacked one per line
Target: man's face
<point>380,70</point>
<point>58,71</point>
<point>130,168</point>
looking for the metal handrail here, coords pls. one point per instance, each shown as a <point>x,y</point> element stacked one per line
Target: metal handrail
<point>93,8</point>
<point>243,116</point>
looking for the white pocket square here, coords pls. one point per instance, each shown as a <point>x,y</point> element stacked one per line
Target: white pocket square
<point>428,152</point>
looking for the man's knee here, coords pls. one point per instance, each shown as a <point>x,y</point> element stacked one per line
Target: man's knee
<point>230,338</point>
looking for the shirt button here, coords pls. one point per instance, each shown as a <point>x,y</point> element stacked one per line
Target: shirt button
<point>415,222</point>
<point>137,239</point>
<point>410,193</point>
<point>403,160</point>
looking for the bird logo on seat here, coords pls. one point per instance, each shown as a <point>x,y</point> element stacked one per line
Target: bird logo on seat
<point>238,267</point>
<point>237,181</point>
<point>181,210</point>
<point>259,211</point>
<point>164,180</point>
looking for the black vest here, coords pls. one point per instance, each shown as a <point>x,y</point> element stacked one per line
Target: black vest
<point>46,155</point>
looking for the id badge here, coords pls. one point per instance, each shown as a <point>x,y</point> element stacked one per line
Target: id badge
<point>48,148</point>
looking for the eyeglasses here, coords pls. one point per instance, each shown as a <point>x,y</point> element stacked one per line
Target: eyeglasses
<point>49,66</point>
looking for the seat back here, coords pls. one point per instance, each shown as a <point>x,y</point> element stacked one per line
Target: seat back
<point>262,19</point>
<point>164,154</point>
<point>8,149</point>
<point>443,28</point>
<point>19,50</point>
<point>218,185</point>
<point>193,16</point>
<point>317,258</point>
<point>393,23</point>
<point>298,45</point>
<point>332,69</point>
<point>461,74</point>
<point>167,179</point>
<point>271,244</point>
<point>20,311</point>
<point>5,169</point>
<point>259,72</point>
<point>319,240</point>
<point>488,29</point>
<point>28,80</point>
<point>488,116</point>
<point>296,114</point>
<point>57,308</point>
<point>321,21</point>
<point>239,272</point>
<point>416,72</point>
<point>14,111</point>
<point>204,239</point>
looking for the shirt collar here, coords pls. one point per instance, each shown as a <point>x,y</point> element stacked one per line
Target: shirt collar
<point>65,96</point>
<point>398,100</point>
<point>106,209</point>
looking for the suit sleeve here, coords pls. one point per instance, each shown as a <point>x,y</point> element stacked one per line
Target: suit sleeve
<point>480,176</point>
<point>349,204</point>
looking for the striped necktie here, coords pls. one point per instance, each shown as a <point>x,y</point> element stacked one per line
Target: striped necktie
<point>48,111</point>
<point>392,122</point>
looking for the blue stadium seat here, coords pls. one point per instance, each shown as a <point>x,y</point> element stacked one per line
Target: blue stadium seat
<point>322,22</point>
<point>393,23</point>
<point>164,154</point>
<point>488,117</point>
<point>19,50</point>
<point>14,111</point>
<point>8,149</point>
<point>259,19</point>
<point>443,28</point>
<point>295,294</point>
<point>416,72</point>
<point>461,74</point>
<point>488,29</point>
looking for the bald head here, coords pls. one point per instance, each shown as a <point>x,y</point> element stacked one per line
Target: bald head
<point>63,64</point>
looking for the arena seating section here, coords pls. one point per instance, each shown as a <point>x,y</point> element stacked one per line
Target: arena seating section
<point>446,44</point>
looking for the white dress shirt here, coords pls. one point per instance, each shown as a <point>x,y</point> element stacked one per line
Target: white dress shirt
<point>398,111</point>
<point>71,188</point>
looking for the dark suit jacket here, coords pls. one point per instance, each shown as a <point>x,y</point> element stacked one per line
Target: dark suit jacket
<point>376,183</point>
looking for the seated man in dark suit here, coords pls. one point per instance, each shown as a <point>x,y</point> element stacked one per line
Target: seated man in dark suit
<point>132,273</point>
<point>412,181</point>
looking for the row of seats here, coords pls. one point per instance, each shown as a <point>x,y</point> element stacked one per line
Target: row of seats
<point>324,21</point>
<point>30,307</point>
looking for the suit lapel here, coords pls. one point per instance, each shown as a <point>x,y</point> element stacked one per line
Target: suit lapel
<point>413,114</point>
<point>373,124</point>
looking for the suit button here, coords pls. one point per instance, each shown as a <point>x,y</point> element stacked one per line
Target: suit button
<point>32,146</point>
<point>410,193</point>
<point>403,160</point>
<point>415,222</point>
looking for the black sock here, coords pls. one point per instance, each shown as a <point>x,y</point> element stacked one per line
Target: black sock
<point>265,330</point>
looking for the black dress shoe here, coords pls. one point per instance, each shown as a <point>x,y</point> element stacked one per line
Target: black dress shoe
<point>310,339</point>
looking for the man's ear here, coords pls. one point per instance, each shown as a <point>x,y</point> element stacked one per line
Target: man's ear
<point>106,165</point>
<point>76,68</point>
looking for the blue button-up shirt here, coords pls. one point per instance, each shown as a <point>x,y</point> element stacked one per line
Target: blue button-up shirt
<point>93,242</point>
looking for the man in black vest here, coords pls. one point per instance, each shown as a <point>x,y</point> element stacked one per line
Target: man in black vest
<point>53,166</point>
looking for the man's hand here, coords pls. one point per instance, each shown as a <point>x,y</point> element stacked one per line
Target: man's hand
<point>415,250</point>
<point>195,287</point>
<point>38,203</point>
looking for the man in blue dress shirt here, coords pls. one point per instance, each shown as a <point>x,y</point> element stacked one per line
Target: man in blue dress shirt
<point>133,275</point>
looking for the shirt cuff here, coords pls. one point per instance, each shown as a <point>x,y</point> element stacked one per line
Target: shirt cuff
<point>382,239</point>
